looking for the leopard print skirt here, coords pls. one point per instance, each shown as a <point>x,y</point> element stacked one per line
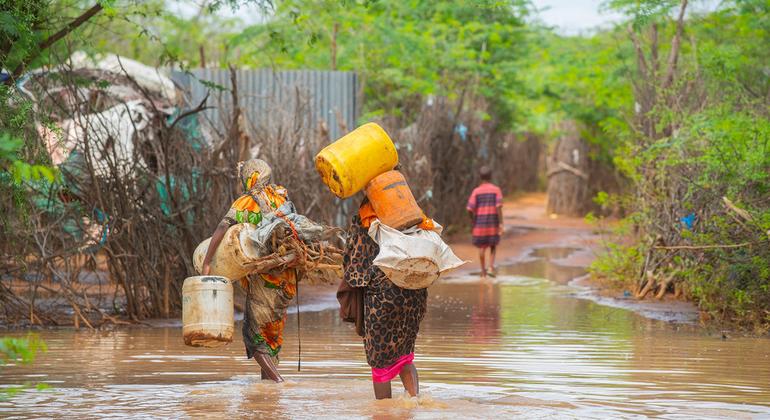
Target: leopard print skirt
<point>392,315</point>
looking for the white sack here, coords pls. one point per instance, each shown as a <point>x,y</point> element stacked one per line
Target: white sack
<point>147,77</point>
<point>412,259</point>
<point>111,136</point>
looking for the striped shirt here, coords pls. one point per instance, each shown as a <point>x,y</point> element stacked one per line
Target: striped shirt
<point>483,203</point>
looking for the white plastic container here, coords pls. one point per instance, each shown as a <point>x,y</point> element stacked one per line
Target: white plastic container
<point>207,311</point>
<point>233,257</point>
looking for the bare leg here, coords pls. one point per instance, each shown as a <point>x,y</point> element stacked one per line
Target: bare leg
<point>269,371</point>
<point>410,379</point>
<point>483,263</point>
<point>492,252</point>
<point>382,390</point>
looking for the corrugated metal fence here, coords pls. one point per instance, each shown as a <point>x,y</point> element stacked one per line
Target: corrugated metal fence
<point>331,95</point>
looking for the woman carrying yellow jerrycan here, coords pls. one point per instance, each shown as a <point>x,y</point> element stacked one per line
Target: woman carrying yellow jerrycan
<point>392,314</point>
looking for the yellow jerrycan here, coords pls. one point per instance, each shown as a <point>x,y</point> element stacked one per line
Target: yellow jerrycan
<point>348,164</point>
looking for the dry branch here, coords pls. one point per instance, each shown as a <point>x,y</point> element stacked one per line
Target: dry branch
<point>561,167</point>
<point>737,210</point>
<point>676,42</point>
<point>48,42</point>
<point>742,244</point>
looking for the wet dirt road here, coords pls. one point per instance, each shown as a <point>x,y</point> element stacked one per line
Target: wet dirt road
<point>526,345</point>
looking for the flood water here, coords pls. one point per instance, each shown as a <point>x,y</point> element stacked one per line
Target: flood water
<point>523,345</point>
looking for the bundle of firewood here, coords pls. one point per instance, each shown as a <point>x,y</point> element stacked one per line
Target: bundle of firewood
<point>291,252</point>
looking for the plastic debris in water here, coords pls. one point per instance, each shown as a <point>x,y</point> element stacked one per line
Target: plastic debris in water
<point>688,221</point>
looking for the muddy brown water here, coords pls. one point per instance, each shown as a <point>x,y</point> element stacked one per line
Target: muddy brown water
<point>523,345</point>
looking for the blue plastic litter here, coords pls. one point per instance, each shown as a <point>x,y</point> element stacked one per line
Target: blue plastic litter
<point>688,221</point>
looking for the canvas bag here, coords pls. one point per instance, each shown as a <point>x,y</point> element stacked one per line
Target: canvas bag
<point>414,258</point>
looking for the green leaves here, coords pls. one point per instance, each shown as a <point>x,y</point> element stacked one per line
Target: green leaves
<point>579,78</point>
<point>403,49</point>
<point>643,12</point>
<point>234,5</point>
<point>18,34</point>
<point>21,171</point>
<point>9,146</point>
<point>24,351</point>
<point>711,140</point>
<point>9,26</point>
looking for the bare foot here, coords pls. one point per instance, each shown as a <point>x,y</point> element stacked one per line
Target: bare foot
<point>268,368</point>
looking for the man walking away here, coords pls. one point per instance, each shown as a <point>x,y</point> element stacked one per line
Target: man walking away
<point>485,206</point>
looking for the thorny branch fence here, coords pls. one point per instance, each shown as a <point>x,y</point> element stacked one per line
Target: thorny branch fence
<point>145,177</point>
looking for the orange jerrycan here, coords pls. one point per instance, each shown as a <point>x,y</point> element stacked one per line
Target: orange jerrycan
<point>348,164</point>
<point>393,202</point>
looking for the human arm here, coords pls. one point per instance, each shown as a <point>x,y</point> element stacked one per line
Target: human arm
<point>471,208</point>
<point>499,205</point>
<point>500,218</point>
<point>216,239</point>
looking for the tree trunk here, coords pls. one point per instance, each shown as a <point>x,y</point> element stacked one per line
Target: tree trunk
<point>568,174</point>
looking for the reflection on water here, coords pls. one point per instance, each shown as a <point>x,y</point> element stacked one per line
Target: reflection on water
<point>516,346</point>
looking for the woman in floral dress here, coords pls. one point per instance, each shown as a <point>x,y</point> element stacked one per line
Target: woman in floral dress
<point>267,296</point>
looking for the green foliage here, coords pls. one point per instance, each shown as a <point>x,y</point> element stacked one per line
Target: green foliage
<point>19,164</point>
<point>403,50</point>
<point>214,5</point>
<point>20,350</point>
<point>619,263</point>
<point>579,78</point>
<point>19,34</point>
<point>643,12</point>
<point>19,170</point>
<point>715,146</point>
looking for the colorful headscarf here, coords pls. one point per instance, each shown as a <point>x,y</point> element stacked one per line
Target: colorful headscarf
<point>255,174</point>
